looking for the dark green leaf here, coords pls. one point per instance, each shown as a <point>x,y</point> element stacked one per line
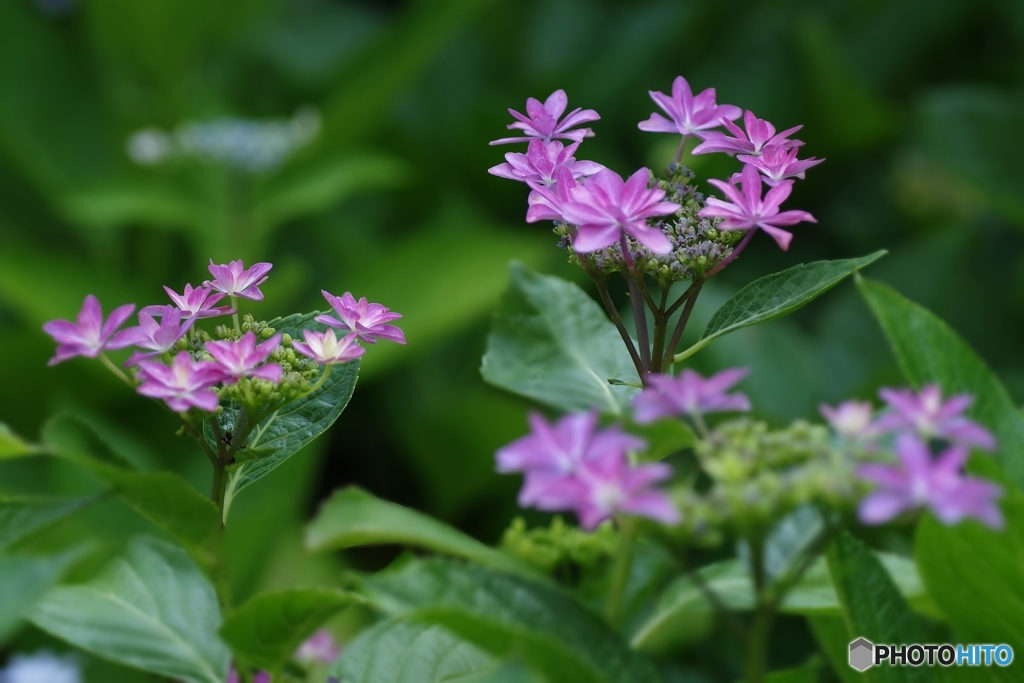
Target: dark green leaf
<point>151,609</point>
<point>975,573</point>
<point>404,651</point>
<point>21,517</point>
<point>287,430</point>
<point>684,613</point>
<point>164,498</point>
<point>506,615</point>
<point>553,343</point>
<point>774,296</point>
<point>929,351</point>
<point>352,517</point>
<point>268,629</point>
<point>24,581</point>
<point>834,640</point>
<point>806,673</point>
<point>872,605</point>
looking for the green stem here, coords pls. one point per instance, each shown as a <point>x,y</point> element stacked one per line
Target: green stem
<point>609,307</point>
<point>234,316</point>
<point>116,370</point>
<point>620,572</point>
<point>764,612</point>
<point>320,382</point>
<point>677,334</point>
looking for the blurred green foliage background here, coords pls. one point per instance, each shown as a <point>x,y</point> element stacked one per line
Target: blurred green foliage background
<point>918,105</point>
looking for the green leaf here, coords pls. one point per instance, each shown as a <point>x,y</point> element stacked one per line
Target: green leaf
<point>151,609</point>
<point>505,615</point>
<point>352,517</point>
<point>21,516</point>
<point>872,605</point>
<point>25,580</point>
<point>553,343</point>
<point>776,295</point>
<point>806,673</point>
<point>929,351</point>
<point>974,574</point>
<point>834,641</point>
<point>286,431</point>
<point>683,613</point>
<point>163,498</point>
<point>405,651</point>
<point>12,446</point>
<point>268,629</point>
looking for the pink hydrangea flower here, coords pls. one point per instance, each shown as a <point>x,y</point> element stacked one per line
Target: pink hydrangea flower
<point>198,302</point>
<point>241,358</point>
<point>851,419</point>
<point>605,487</point>
<point>551,454</point>
<point>157,337</point>
<point>777,163</point>
<point>91,335</point>
<point>931,417</point>
<point>543,121</point>
<point>182,385</point>
<point>605,206</point>
<point>258,677</point>
<point>325,348</point>
<point>923,481</point>
<point>541,161</point>
<point>546,203</point>
<point>234,279</point>
<point>748,211</point>
<point>759,135</point>
<point>319,648</point>
<point>689,115</point>
<point>368,321</point>
<point>689,394</point>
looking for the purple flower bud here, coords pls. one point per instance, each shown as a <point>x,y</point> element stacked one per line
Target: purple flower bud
<point>235,280</point>
<point>367,321</point>
<point>543,121</point>
<point>926,414</point>
<point>91,336</point>
<point>923,481</point>
<point>689,394</point>
<point>157,337</point>
<point>690,115</point>
<point>326,349</point>
<point>759,135</point>
<point>605,206</point>
<point>183,385</point>
<point>239,359</point>
<point>747,210</point>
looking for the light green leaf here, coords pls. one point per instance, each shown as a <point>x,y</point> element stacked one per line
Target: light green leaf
<point>553,343</point>
<point>872,605</point>
<point>268,629</point>
<point>975,575</point>
<point>24,580</point>
<point>506,615</point>
<point>774,296</point>
<point>12,445</point>
<point>21,517</point>
<point>151,609</point>
<point>405,651</point>
<point>352,517</point>
<point>283,433</point>
<point>929,351</point>
<point>684,613</point>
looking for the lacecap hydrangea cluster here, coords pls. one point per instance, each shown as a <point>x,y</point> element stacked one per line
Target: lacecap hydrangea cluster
<point>908,457</point>
<point>194,370</point>
<point>662,228</point>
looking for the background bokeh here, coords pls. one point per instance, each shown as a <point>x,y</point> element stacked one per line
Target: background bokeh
<point>918,106</point>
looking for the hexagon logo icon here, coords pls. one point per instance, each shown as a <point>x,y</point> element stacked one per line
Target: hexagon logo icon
<point>862,654</point>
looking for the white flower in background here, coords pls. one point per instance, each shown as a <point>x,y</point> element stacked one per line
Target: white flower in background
<point>42,667</point>
<point>250,145</point>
